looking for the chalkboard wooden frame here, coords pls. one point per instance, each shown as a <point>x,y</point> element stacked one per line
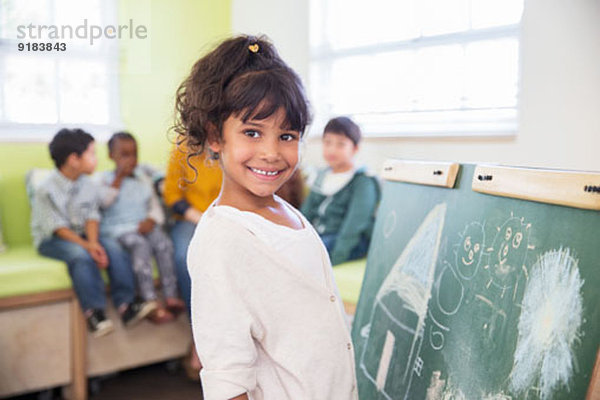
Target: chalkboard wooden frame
<point>441,174</point>
<point>594,388</point>
<point>565,188</point>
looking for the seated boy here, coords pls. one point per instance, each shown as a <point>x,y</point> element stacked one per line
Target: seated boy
<point>64,225</point>
<point>131,214</point>
<point>342,200</point>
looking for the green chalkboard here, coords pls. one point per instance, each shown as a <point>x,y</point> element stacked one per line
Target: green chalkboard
<point>473,296</point>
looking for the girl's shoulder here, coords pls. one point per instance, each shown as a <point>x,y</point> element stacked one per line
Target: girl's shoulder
<point>216,239</point>
<point>215,222</point>
<point>217,229</point>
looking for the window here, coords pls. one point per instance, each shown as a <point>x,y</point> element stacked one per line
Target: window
<point>416,67</point>
<point>42,91</point>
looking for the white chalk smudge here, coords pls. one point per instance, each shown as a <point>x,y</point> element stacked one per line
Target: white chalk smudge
<point>436,386</point>
<point>451,392</point>
<point>496,396</point>
<point>384,362</point>
<point>548,325</point>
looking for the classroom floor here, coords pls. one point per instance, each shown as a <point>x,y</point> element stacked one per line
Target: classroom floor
<point>164,381</point>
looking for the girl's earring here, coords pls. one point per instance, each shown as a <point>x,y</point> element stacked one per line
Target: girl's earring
<point>213,155</point>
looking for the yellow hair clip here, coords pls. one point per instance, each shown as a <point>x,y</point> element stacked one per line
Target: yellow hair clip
<point>253,48</point>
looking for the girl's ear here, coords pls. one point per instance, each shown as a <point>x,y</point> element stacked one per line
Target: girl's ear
<point>214,146</point>
<point>213,141</point>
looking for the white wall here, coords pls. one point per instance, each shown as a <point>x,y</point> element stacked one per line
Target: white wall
<point>559,112</point>
<point>285,22</point>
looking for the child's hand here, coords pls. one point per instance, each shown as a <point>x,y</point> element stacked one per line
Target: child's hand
<point>122,171</point>
<point>98,254</point>
<point>146,226</point>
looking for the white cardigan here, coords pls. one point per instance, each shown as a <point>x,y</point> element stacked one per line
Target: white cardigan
<point>261,325</point>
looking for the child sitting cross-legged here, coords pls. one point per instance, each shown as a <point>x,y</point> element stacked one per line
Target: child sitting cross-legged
<point>132,214</point>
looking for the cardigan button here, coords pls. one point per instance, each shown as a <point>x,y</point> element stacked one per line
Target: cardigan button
<point>332,298</point>
<point>349,346</point>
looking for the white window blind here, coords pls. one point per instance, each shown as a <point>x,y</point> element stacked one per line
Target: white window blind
<point>43,91</point>
<point>416,67</point>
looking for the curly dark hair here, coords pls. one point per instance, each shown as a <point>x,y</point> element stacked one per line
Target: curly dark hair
<point>243,76</point>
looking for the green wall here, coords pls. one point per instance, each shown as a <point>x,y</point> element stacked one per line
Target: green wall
<point>179,32</point>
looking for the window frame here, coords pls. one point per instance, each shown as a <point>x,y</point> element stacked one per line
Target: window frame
<point>107,54</point>
<point>507,121</point>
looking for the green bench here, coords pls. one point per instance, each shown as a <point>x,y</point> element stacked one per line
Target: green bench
<point>44,342</point>
<point>24,272</point>
<point>349,277</point>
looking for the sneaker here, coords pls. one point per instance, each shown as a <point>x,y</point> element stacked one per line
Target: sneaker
<point>98,324</point>
<point>136,311</point>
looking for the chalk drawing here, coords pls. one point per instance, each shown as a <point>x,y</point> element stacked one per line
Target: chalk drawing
<point>496,396</point>
<point>401,307</point>
<point>450,291</point>
<point>451,392</point>
<point>470,250</point>
<point>481,288</point>
<point>418,367</point>
<point>436,336</point>
<point>436,386</point>
<point>549,324</point>
<point>384,361</point>
<point>390,224</point>
<point>507,256</point>
<point>364,331</point>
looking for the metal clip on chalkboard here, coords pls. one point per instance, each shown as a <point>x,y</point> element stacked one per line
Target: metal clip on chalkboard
<point>565,188</point>
<point>441,174</point>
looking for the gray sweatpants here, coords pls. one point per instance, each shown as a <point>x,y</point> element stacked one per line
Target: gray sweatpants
<point>141,247</point>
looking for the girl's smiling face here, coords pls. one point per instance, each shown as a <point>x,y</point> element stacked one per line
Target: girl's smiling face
<point>257,157</point>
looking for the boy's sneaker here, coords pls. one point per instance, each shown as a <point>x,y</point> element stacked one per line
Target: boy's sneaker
<point>136,311</point>
<point>98,324</point>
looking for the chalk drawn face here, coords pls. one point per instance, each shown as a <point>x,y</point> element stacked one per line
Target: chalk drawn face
<point>469,251</point>
<point>508,252</point>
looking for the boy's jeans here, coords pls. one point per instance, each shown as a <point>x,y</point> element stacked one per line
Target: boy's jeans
<point>85,275</point>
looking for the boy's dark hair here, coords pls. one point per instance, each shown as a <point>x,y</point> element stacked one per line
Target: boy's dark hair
<point>243,76</point>
<point>119,136</point>
<point>66,142</point>
<point>344,126</point>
